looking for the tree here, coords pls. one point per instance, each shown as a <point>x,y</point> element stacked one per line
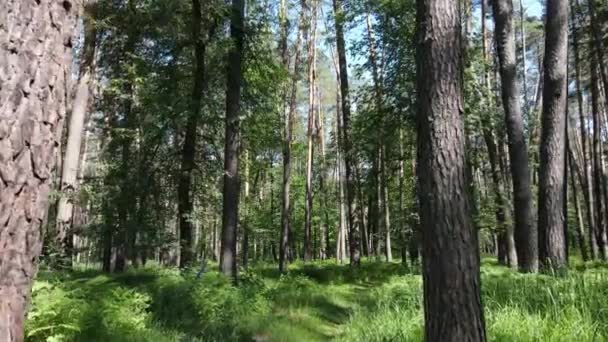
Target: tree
<point>551,220</point>
<point>184,203</point>
<point>450,266</point>
<point>312,62</point>
<point>290,112</point>
<point>234,76</point>
<point>35,57</point>
<point>71,161</point>
<point>525,229</point>
<point>349,157</point>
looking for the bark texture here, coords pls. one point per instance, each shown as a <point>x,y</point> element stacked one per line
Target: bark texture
<point>232,140</point>
<point>71,160</point>
<point>35,57</point>
<point>349,157</point>
<point>452,301</point>
<point>551,220</point>
<point>525,228</point>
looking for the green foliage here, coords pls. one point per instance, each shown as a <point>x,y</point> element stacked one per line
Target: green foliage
<point>314,302</point>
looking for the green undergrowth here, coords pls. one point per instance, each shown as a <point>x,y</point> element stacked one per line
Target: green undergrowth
<point>317,302</point>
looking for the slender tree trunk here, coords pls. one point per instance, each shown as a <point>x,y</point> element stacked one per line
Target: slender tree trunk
<point>525,228</point>
<point>245,218</point>
<point>232,139</point>
<point>312,60</point>
<point>35,55</point>
<point>577,207</point>
<point>522,30</point>
<point>505,229</point>
<point>598,168</point>
<point>324,225</point>
<point>598,45</point>
<point>450,266</point>
<point>364,225</point>
<point>386,210</point>
<point>587,184</point>
<point>551,220</point>
<point>184,207</point>
<point>69,170</point>
<point>284,251</point>
<point>349,155</point>
<point>402,218</point>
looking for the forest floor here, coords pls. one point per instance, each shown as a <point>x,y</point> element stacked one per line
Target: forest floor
<point>317,302</point>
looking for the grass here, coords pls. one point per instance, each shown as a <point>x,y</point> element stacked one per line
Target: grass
<point>317,302</point>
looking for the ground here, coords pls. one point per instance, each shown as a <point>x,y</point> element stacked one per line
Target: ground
<point>317,302</point>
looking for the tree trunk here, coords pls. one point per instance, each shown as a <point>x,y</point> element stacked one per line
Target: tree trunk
<point>349,155</point>
<point>69,170</point>
<point>587,184</point>
<point>312,60</point>
<point>324,225</point>
<point>450,266</point>
<point>232,139</point>
<point>525,228</point>
<point>184,207</point>
<point>598,45</point>
<point>284,252</point>
<point>402,218</point>
<point>551,220</point>
<point>522,29</point>
<point>598,168</point>
<point>577,207</point>
<point>35,57</point>
<point>386,213</point>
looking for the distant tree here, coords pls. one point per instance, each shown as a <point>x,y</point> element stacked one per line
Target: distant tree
<point>231,191</point>
<point>349,155</point>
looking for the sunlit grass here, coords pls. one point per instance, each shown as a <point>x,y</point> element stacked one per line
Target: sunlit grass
<point>317,302</point>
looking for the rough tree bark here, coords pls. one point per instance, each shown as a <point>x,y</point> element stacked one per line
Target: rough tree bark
<point>452,300</point>
<point>35,58</point>
<point>551,220</point>
<point>349,157</point>
<point>525,227</point>
<point>71,160</point>
<point>232,140</point>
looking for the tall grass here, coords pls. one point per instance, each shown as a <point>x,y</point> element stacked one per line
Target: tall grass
<point>317,302</point>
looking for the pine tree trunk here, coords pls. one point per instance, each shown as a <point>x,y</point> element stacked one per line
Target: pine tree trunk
<point>232,139</point>
<point>580,226</point>
<point>598,168</point>
<point>450,266</point>
<point>386,211</point>
<point>35,59</point>
<point>284,251</point>
<point>587,184</point>
<point>312,56</point>
<point>184,207</point>
<point>71,161</point>
<point>551,220</point>
<point>525,227</point>
<point>349,155</point>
